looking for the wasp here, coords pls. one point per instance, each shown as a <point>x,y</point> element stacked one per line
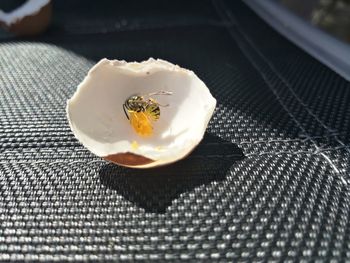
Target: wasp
<point>142,112</point>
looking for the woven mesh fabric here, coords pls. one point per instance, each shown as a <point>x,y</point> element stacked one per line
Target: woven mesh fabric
<point>270,180</point>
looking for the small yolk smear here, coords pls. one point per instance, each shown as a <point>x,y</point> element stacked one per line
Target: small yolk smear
<point>141,123</point>
<point>134,145</point>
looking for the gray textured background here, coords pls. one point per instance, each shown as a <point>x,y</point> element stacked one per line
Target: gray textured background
<point>270,180</point>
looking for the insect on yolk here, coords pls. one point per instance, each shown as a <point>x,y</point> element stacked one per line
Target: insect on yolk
<point>141,123</point>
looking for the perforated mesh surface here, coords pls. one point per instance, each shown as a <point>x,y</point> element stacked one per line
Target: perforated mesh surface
<point>268,182</point>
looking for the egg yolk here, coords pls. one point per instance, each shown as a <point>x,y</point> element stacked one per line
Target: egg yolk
<point>134,145</point>
<point>141,123</point>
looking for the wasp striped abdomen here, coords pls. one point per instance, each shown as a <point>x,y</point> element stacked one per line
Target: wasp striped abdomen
<point>141,113</point>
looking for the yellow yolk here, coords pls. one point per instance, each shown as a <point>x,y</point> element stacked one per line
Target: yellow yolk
<point>141,123</point>
<point>134,145</point>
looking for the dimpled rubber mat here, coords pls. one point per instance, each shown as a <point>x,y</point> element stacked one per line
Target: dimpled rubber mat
<point>269,182</point>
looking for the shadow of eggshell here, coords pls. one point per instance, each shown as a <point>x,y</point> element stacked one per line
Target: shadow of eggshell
<point>33,24</point>
<point>155,190</point>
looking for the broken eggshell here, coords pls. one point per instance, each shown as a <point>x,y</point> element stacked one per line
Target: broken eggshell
<point>31,18</point>
<point>96,116</point>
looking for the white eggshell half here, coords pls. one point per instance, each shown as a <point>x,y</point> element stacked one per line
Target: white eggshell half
<point>97,119</point>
